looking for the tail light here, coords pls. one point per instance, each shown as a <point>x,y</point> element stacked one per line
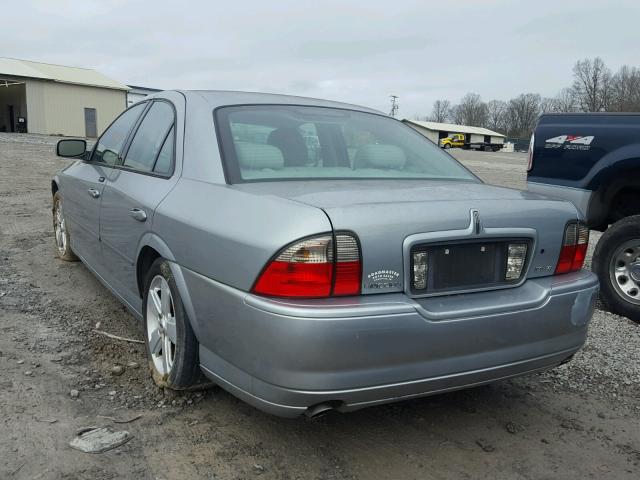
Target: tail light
<point>574,248</point>
<point>530,153</point>
<point>322,266</point>
<point>516,257</point>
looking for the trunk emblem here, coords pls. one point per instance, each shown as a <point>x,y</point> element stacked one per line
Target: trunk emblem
<point>476,224</point>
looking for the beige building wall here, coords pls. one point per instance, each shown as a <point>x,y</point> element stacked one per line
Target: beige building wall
<point>36,121</point>
<point>58,108</point>
<point>430,134</point>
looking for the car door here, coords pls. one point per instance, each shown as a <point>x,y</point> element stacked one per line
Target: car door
<point>82,184</point>
<point>131,194</point>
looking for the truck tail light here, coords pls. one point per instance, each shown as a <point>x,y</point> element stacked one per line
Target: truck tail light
<point>317,267</point>
<point>574,248</point>
<point>530,153</point>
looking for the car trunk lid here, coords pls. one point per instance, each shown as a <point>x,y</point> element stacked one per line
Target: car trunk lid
<point>391,217</point>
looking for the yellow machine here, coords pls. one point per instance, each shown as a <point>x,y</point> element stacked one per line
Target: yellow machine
<point>452,141</point>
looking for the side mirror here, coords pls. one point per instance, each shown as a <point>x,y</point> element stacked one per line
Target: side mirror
<point>71,148</point>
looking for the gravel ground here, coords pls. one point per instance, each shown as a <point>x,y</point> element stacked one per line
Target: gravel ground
<point>581,420</point>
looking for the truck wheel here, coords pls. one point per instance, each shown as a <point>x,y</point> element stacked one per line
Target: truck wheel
<point>487,148</point>
<point>616,261</point>
<point>447,146</point>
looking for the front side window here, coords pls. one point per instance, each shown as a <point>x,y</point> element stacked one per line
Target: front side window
<point>110,144</point>
<point>281,142</point>
<point>148,141</point>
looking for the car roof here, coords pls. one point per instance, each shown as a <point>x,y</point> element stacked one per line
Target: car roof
<point>220,98</point>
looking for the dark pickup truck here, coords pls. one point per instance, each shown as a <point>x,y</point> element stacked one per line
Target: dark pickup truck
<point>593,160</point>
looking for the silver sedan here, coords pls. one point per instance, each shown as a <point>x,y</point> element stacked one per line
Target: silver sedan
<point>310,256</point>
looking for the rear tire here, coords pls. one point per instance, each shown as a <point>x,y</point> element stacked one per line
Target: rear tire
<point>172,347</point>
<point>61,237</point>
<point>616,261</point>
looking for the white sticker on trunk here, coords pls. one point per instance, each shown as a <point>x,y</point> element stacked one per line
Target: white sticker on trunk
<point>381,279</point>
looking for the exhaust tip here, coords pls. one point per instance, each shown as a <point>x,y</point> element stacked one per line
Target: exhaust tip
<point>321,409</point>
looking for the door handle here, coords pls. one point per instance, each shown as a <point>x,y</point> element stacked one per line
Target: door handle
<point>94,193</point>
<point>138,214</point>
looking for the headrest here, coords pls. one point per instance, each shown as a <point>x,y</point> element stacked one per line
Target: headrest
<point>379,156</point>
<point>256,156</point>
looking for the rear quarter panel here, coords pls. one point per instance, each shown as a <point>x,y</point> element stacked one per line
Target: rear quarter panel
<point>228,235</point>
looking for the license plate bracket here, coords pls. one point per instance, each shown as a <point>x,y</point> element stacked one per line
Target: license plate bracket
<point>464,265</point>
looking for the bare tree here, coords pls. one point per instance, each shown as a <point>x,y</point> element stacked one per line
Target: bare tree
<point>523,113</point>
<point>497,115</point>
<point>566,101</point>
<point>625,90</point>
<point>549,105</point>
<point>457,115</point>
<point>471,110</point>
<point>441,112</point>
<point>591,84</point>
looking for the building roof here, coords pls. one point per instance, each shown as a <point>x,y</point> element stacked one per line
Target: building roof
<point>142,90</point>
<point>57,73</point>
<point>453,128</point>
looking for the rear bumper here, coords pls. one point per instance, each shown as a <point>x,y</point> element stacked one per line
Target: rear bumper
<point>285,356</point>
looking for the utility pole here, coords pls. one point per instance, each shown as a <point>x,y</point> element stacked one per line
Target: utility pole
<point>394,105</point>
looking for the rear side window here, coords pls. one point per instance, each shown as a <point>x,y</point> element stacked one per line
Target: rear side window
<point>110,144</point>
<point>150,144</point>
<point>284,142</point>
<point>165,157</point>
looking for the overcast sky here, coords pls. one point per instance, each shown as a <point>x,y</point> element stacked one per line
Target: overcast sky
<point>353,51</point>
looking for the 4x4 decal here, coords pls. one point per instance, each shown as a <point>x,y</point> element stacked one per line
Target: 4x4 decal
<point>570,142</point>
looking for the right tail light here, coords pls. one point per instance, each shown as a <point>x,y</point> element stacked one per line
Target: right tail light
<point>574,248</point>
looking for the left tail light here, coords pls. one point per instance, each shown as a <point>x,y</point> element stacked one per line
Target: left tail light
<point>574,248</point>
<point>317,267</point>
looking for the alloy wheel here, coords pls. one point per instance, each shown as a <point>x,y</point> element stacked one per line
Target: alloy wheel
<point>161,325</point>
<point>59,228</point>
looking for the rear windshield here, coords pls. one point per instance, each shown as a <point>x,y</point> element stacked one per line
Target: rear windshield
<point>281,142</point>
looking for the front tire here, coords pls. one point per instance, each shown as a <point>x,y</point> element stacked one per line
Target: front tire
<point>172,347</point>
<point>616,261</point>
<point>60,233</point>
<point>447,146</point>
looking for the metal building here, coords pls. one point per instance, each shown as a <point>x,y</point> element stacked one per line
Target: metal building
<point>435,131</point>
<point>57,100</point>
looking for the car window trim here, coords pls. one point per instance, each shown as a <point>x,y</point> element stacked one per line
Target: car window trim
<point>151,173</point>
<point>132,134</point>
<point>233,176</point>
<point>173,153</point>
<point>95,145</point>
